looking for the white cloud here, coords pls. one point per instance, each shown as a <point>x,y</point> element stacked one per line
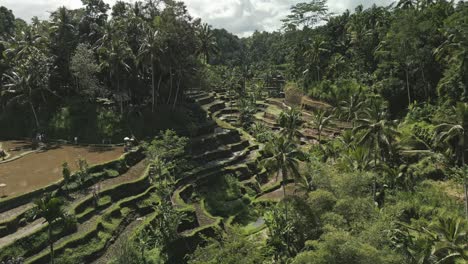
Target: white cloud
<point>241,17</point>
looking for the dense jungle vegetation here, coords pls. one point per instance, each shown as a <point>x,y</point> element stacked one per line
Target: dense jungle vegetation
<point>384,179</point>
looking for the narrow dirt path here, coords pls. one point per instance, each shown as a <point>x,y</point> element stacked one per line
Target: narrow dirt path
<point>15,211</point>
<point>22,232</point>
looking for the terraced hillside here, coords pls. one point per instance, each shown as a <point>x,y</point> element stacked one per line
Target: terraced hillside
<point>223,107</point>
<point>23,233</point>
<point>223,186</point>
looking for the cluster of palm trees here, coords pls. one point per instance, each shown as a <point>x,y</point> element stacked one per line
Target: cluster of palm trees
<point>372,144</point>
<point>145,44</point>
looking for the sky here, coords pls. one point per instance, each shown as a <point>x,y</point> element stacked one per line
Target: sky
<point>241,17</point>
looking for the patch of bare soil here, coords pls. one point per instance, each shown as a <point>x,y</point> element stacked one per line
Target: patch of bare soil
<point>37,170</point>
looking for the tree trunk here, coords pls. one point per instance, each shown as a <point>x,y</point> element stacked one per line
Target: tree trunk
<point>177,94</point>
<point>51,245</point>
<point>465,179</point>
<point>408,87</point>
<point>120,96</point>
<point>465,187</point>
<point>153,83</point>
<point>34,113</point>
<point>320,136</point>
<point>159,88</point>
<point>143,254</point>
<point>283,183</point>
<point>318,74</point>
<point>170,87</point>
<point>426,85</point>
<point>374,178</point>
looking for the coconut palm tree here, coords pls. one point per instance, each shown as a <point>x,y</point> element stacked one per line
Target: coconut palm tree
<point>454,134</point>
<point>378,133</point>
<point>283,158</point>
<point>114,54</point>
<point>451,240</point>
<point>290,121</point>
<point>314,54</point>
<point>24,44</point>
<point>63,38</point>
<point>207,42</point>
<point>444,241</point>
<point>50,208</point>
<point>149,51</point>
<point>27,79</point>
<point>320,120</point>
<point>406,4</point>
<point>350,108</point>
<point>357,158</point>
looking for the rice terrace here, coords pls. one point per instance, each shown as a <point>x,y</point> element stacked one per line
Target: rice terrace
<point>134,132</point>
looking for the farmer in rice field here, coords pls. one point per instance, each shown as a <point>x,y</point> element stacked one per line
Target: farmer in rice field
<point>2,154</point>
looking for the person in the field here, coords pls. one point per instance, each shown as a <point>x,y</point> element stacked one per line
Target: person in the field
<point>2,154</point>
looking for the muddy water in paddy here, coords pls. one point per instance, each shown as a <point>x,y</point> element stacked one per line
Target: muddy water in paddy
<point>39,169</point>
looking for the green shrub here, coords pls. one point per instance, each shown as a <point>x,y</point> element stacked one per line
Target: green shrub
<point>223,196</point>
<point>340,247</point>
<point>112,173</point>
<point>322,201</point>
<point>356,211</point>
<point>332,221</point>
<point>293,94</point>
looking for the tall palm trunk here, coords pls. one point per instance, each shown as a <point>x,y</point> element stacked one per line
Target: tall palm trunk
<point>51,244</point>
<point>407,85</point>
<point>177,93</point>
<point>170,87</point>
<point>374,178</point>
<point>318,74</point>
<point>120,95</point>
<point>320,136</point>
<point>465,177</point>
<point>153,83</point>
<point>159,88</point>
<point>283,183</point>
<point>426,85</point>
<point>465,187</point>
<point>34,113</point>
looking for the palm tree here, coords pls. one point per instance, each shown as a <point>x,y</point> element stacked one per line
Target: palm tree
<point>61,26</point>
<point>19,83</point>
<point>378,133</point>
<point>283,158</point>
<point>455,135</point>
<point>114,54</point>
<point>207,42</point>
<point>290,121</point>
<point>320,120</point>
<point>247,109</point>
<point>23,44</point>
<point>454,52</point>
<point>350,108</point>
<point>442,242</point>
<point>357,158</point>
<point>406,4</point>
<point>50,208</point>
<point>28,78</point>
<point>314,54</point>
<point>62,34</point>
<point>451,240</point>
<point>149,50</point>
